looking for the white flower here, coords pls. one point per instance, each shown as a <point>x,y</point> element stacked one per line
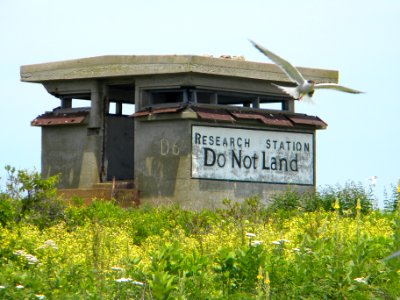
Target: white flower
<point>250,235</point>
<point>31,259</point>
<point>2,287</point>
<point>280,242</point>
<point>137,283</point>
<point>284,241</point>
<point>49,244</point>
<point>296,250</point>
<point>40,296</point>
<point>123,279</point>
<point>256,243</point>
<point>361,280</point>
<point>19,286</point>
<point>116,269</point>
<point>20,253</point>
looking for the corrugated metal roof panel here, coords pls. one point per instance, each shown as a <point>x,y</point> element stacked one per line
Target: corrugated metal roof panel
<point>158,110</point>
<point>166,110</point>
<point>277,120</point>
<point>230,114</point>
<point>54,119</point>
<point>213,114</point>
<point>268,119</point>
<point>242,115</point>
<point>141,113</point>
<point>307,120</point>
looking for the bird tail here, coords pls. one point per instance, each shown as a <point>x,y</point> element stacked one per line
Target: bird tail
<point>291,91</point>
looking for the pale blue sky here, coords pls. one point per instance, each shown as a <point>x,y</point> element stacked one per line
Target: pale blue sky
<point>358,38</point>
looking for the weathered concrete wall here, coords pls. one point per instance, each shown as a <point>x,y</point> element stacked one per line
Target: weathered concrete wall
<point>73,153</point>
<point>63,148</point>
<point>161,151</point>
<point>163,169</point>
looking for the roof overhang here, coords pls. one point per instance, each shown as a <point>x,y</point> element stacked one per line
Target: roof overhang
<point>114,66</point>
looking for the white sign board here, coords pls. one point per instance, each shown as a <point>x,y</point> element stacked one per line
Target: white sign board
<point>252,155</point>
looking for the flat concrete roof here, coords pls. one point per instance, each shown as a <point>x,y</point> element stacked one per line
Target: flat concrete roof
<point>112,66</point>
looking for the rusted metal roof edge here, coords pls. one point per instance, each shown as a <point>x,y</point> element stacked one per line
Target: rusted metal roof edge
<point>229,114</point>
<point>302,119</point>
<point>56,119</point>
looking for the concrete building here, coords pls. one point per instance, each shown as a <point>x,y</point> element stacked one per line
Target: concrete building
<point>179,129</point>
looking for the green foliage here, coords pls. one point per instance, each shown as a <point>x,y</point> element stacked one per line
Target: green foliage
<point>392,201</point>
<point>238,269</point>
<point>173,270</point>
<point>290,202</point>
<point>7,210</point>
<point>348,196</point>
<point>30,197</point>
<point>310,246</point>
<point>320,255</point>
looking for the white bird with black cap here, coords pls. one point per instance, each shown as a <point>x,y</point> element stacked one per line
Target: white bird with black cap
<point>304,87</point>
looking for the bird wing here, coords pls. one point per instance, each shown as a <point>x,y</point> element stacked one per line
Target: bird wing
<point>286,66</point>
<point>337,87</point>
<point>291,91</point>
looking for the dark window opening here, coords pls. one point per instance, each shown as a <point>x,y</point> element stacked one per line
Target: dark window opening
<point>74,102</point>
<point>161,97</point>
<point>215,97</point>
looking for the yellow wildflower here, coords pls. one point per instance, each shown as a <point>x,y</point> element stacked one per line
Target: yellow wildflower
<point>336,205</point>
<point>358,206</point>
<point>267,281</point>
<point>260,273</point>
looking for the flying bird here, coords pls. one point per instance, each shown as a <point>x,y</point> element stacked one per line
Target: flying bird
<point>304,87</point>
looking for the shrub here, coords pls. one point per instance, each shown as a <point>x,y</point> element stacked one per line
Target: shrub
<point>391,203</point>
<point>291,201</point>
<point>348,195</point>
<point>7,211</point>
<point>32,198</point>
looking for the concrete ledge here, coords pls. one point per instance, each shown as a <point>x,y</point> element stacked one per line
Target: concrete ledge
<point>123,65</point>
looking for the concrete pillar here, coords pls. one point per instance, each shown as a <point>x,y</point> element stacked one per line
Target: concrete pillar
<point>193,96</point>
<point>66,103</point>
<point>185,96</point>
<point>91,167</point>
<point>118,108</point>
<point>214,99</point>
<point>288,105</point>
<point>256,103</point>
<point>96,109</point>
